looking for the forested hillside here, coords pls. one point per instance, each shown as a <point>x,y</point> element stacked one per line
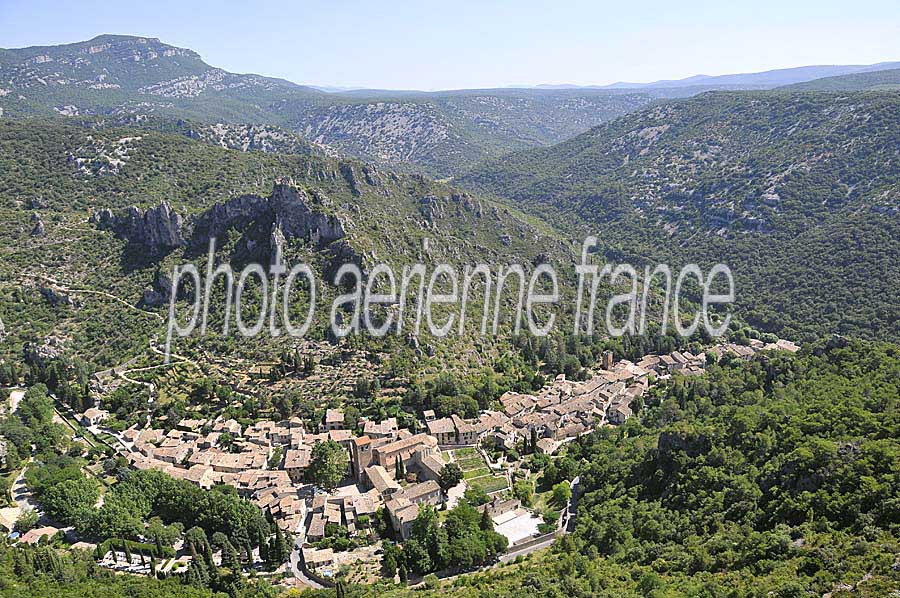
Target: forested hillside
<point>799,193</point>
<point>774,478</point>
<point>88,287</point>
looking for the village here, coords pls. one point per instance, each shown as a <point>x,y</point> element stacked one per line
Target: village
<point>392,471</point>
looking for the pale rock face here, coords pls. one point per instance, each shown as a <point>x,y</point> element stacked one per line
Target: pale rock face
<point>290,213</point>
<point>158,229</point>
<point>295,219</point>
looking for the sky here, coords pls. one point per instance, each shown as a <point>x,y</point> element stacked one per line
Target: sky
<point>470,44</point>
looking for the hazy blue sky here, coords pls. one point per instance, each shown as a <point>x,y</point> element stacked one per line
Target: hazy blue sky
<point>453,44</point>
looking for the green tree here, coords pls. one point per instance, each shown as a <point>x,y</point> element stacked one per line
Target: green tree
<point>562,492</point>
<point>230,558</point>
<point>275,458</point>
<point>328,465</point>
<point>476,496</point>
<point>389,562</point>
<point>486,523</point>
<point>36,408</point>
<point>451,475</point>
<point>524,491</point>
<point>70,501</point>
<point>27,519</point>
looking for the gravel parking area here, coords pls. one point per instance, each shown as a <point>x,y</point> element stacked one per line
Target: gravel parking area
<point>517,525</point>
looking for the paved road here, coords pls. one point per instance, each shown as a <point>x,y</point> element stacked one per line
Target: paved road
<point>298,572</point>
<point>21,494</point>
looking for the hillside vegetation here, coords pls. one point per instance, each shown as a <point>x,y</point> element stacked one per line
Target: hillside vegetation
<point>775,478</point>
<point>56,176</point>
<point>442,133</point>
<point>799,193</point>
<point>886,79</point>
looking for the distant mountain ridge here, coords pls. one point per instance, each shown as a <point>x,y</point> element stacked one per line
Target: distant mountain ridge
<point>886,79</point>
<point>440,133</point>
<point>124,62</point>
<point>757,80</point>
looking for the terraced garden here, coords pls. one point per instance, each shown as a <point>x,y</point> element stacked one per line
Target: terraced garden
<point>476,472</point>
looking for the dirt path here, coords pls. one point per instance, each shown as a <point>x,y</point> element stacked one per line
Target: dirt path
<point>67,289</point>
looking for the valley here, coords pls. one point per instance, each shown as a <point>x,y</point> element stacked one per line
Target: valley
<point>263,339</point>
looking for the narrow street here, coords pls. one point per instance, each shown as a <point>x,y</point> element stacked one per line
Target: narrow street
<point>298,572</point>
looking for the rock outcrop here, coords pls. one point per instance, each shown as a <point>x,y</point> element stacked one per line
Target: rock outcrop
<point>38,230</point>
<point>57,299</point>
<point>296,220</point>
<point>158,294</point>
<point>157,230</point>
<point>42,354</point>
<point>289,213</point>
<point>37,203</point>
<point>236,213</point>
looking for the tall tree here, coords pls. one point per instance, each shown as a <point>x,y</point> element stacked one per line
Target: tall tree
<point>451,475</point>
<point>486,523</point>
<point>328,465</point>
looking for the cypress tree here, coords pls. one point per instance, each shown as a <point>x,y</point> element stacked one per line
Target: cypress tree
<point>282,548</point>
<point>486,523</point>
<point>264,551</point>
<point>208,555</point>
<point>272,560</point>
<point>230,558</point>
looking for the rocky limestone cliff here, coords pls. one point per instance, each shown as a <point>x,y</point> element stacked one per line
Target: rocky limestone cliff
<point>238,213</point>
<point>158,229</point>
<point>288,213</point>
<point>295,219</point>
